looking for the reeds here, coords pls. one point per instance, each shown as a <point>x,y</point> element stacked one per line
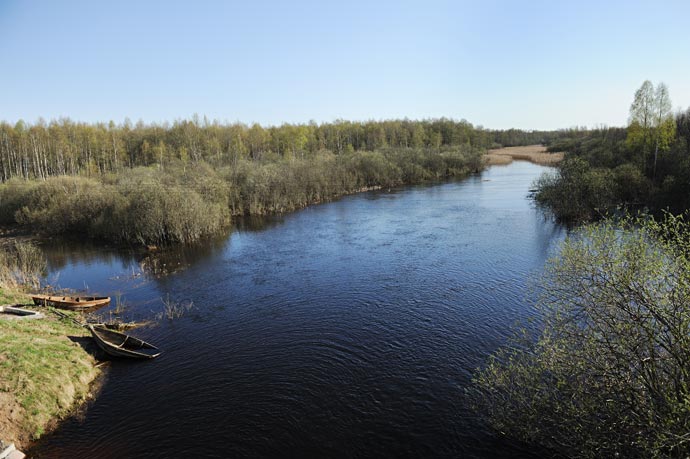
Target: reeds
<point>533,153</point>
<point>173,309</point>
<point>21,264</point>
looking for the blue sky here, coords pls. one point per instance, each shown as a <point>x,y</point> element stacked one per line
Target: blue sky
<point>500,64</point>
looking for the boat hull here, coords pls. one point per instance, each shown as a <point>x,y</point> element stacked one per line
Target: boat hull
<point>75,303</point>
<point>119,344</point>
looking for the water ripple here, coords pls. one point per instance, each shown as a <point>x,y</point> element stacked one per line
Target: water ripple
<point>350,330</point>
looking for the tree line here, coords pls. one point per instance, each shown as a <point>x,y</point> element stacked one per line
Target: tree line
<point>65,147</point>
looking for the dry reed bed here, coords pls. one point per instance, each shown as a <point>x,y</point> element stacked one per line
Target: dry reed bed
<point>533,153</point>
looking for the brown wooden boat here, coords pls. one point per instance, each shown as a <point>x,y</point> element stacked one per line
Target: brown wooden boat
<point>120,345</point>
<point>71,302</point>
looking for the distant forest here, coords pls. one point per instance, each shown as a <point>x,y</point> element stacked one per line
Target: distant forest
<point>65,147</point>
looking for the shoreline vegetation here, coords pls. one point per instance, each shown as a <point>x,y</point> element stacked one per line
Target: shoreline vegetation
<point>606,374</point>
<point>537,154</point>
<point>46,371</point>
<point>644,167</point>
<point>185,203</point>
<point>178,183</point>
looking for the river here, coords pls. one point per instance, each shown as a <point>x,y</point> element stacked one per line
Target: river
<point>347,329</point>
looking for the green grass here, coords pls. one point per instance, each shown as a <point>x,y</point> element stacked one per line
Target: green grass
<point>41,368</point>
<point>8,296</point>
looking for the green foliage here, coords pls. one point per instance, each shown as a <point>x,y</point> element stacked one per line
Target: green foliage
<point>651,122</point>
<point>171,205</point>
<point>609,374</point>
<point>62,203</point>
<point>577,192</point>
<point>517,137</point>
<point>64,147</point>
<point>643,167</point>
<point>144,205</point>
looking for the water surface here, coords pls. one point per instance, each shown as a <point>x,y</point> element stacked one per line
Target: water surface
<point>348,329</point>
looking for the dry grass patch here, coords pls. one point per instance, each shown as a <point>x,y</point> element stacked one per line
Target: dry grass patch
<point>533,153</point>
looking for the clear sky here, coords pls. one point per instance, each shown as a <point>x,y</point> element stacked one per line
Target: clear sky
<point>501,64</point>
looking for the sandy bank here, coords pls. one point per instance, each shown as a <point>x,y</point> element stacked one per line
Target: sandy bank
<point>534,153</point>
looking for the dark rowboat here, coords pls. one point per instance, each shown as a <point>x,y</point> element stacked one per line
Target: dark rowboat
<point>71,302</point>
<point>120,345</point>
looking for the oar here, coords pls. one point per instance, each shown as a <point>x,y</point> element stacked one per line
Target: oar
<point>65,316</point>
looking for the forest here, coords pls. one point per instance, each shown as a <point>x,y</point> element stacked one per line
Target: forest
<point>65,147</point>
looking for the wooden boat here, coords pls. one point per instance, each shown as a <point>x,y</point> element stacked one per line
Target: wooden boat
<point>71,302</point>
<point>120,345</point>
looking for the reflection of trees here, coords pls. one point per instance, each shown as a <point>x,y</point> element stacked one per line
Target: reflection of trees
<point>257,222</point>
<point>135,260</point>
<point>176,258</point>
<point>63,253</point>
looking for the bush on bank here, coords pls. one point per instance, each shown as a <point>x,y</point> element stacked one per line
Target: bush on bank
<point>183,202</point>
<point>609,373</point>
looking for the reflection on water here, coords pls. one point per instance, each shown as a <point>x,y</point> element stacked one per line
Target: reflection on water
<point>348,329</point>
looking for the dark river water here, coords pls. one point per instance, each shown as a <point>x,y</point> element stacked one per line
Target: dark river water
<point>347,329</point>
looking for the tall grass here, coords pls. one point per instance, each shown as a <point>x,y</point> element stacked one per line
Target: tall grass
<point>21,263</point>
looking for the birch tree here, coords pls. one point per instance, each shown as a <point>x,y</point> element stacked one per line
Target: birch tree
<point>651,122</point>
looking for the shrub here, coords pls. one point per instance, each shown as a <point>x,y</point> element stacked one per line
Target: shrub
<point>14,195</point>
<point>157,209</point>
<point>609,374</point>
<point>184,202</point>
<point>577,192</point>
<point>21,263</point>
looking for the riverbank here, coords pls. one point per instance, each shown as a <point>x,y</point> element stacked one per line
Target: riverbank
<point>46,372</point>
<point>186,202</point>
<point>536,154</point>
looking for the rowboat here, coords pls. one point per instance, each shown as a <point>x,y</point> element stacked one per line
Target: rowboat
<point>120,345</point>
<point>71,302</point>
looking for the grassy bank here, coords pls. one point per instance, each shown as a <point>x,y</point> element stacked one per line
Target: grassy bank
<point>44,370</point>
<point>44,374</point>
<point>534,153</point>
